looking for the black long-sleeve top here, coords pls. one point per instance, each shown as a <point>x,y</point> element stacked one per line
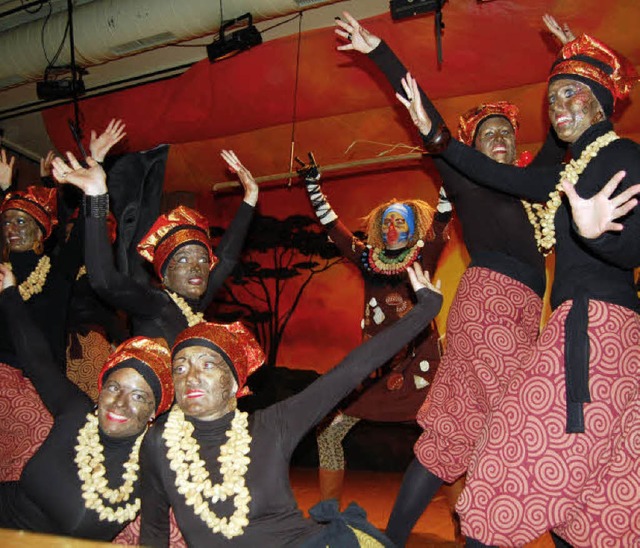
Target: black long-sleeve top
<point>274,516</point>
<point>48,497</point>
<point>495,227</point>
<point>153,312</point>
<point>48,308</point>
<point>599,269</point>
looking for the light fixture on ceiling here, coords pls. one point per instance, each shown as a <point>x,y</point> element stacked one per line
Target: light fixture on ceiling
<point>401,9</point>
<point>408,8</point>
<point>240,40</point>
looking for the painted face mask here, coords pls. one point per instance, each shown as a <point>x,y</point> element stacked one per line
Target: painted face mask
<point>398,225</point>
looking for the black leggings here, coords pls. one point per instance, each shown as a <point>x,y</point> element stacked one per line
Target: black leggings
<point>418,487</point>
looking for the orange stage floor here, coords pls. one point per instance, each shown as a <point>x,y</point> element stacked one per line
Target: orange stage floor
<point>376,492</point>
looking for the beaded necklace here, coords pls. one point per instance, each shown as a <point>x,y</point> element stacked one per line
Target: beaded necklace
<point>193,318</point>
<point>542,216</point>
<point>380,263</point>
<point>193,480</point>
<point>92,473</point>
<point>36,280</point>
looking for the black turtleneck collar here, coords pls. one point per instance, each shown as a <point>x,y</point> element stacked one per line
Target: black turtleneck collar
<point>590,135</point>
<point>211,429</point>
<point>23,263</point>
<point>110,441</point>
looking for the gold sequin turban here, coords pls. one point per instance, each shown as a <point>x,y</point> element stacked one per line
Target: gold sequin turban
<point>39,202</point>
<point>609,75</point>
<point>172,230</point>
<point>149,358</point>
<point>471,119</point>
<point>234,342</point>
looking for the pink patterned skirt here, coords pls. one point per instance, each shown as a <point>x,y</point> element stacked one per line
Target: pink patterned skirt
<point>528,476</point>
<point>491,329</point>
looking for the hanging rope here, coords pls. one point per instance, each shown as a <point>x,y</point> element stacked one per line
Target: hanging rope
<point>295,102</point>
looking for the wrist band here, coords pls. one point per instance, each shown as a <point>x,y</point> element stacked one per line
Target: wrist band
<point>439,141</point>
<point>96,207</point>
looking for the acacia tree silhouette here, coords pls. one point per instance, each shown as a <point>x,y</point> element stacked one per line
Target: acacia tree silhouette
<point>267,285</point>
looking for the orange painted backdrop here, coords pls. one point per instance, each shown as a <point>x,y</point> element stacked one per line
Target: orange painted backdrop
<point>345,111</point>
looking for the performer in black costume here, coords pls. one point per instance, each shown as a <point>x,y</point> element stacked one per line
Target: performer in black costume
<point>589,347</point>
<point>83,481</point>
<point>178,245</point>
<point>242,461</point>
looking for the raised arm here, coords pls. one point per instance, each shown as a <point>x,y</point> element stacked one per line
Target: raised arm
<point>115,288</point>
<point>349,245</point>
<point>100,145</point>
<point>230,246</point>
<point>304,410</point>
<point>32,348</point>
<point>6,170</point>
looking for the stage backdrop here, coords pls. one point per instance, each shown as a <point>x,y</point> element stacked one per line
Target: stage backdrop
<point>346,112</point>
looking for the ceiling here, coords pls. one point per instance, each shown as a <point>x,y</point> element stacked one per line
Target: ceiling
<point>20,120</point>
<point>488,46</point>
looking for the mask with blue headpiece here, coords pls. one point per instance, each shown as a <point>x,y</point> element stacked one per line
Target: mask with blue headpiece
<point>407,214</point>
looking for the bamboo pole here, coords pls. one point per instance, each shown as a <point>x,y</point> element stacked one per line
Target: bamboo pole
<point>227,185</point>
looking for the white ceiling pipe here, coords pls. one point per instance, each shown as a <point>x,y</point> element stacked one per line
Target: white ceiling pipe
<point>110,29</point>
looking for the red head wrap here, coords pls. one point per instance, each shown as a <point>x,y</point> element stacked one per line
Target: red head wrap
<point>593,62</point>
<point>471,119</point>
<point>39,202</point>
<point>149,358</point>
<point>173,230</point>
<point>235,343</point>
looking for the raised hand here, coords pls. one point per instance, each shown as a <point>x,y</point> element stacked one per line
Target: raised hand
<point>6,169</point>
<point>102,144</point>
<point>420,279</point>
<point>246,179</point>
<point>413,103</point>
<point>92,180</point>
<point>562,33</point>
<point>595,216</point>
<point>358,38</point>
<point>45,164</point>
<point>7,277</point>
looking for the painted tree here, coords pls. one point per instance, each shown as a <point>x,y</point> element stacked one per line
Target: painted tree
<point>280,259</point>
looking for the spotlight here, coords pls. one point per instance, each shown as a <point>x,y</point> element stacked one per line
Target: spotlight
<point>240,40</point>
<point>52,87</point>
<point>408,8</point>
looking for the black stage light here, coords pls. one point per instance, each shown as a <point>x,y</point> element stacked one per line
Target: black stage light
<point>408,8</point>
<point>239,40</point>
<point>54,87</point>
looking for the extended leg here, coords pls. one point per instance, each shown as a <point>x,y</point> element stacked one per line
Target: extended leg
<point>418,487</point>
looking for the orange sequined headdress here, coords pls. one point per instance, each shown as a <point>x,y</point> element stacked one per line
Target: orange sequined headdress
<point>235,343</point>
<point>39,202</point>
<point>609,75</point>
<point>173,230</point>
<point>149,358</point>
<point>471,119</point>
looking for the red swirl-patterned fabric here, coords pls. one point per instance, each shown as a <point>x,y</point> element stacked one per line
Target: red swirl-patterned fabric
<point>24,422</point>
<point>492,325</point>
<point>130,535</point>
<point>527,475</point>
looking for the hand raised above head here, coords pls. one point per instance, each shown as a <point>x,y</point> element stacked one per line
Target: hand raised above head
<point>100,145</point>
<point>247,181</point>
<point>412,101</point>
<point>358,38</point>
<point>6,169</point>
<point>562,33</point>
<point>92,180</point>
